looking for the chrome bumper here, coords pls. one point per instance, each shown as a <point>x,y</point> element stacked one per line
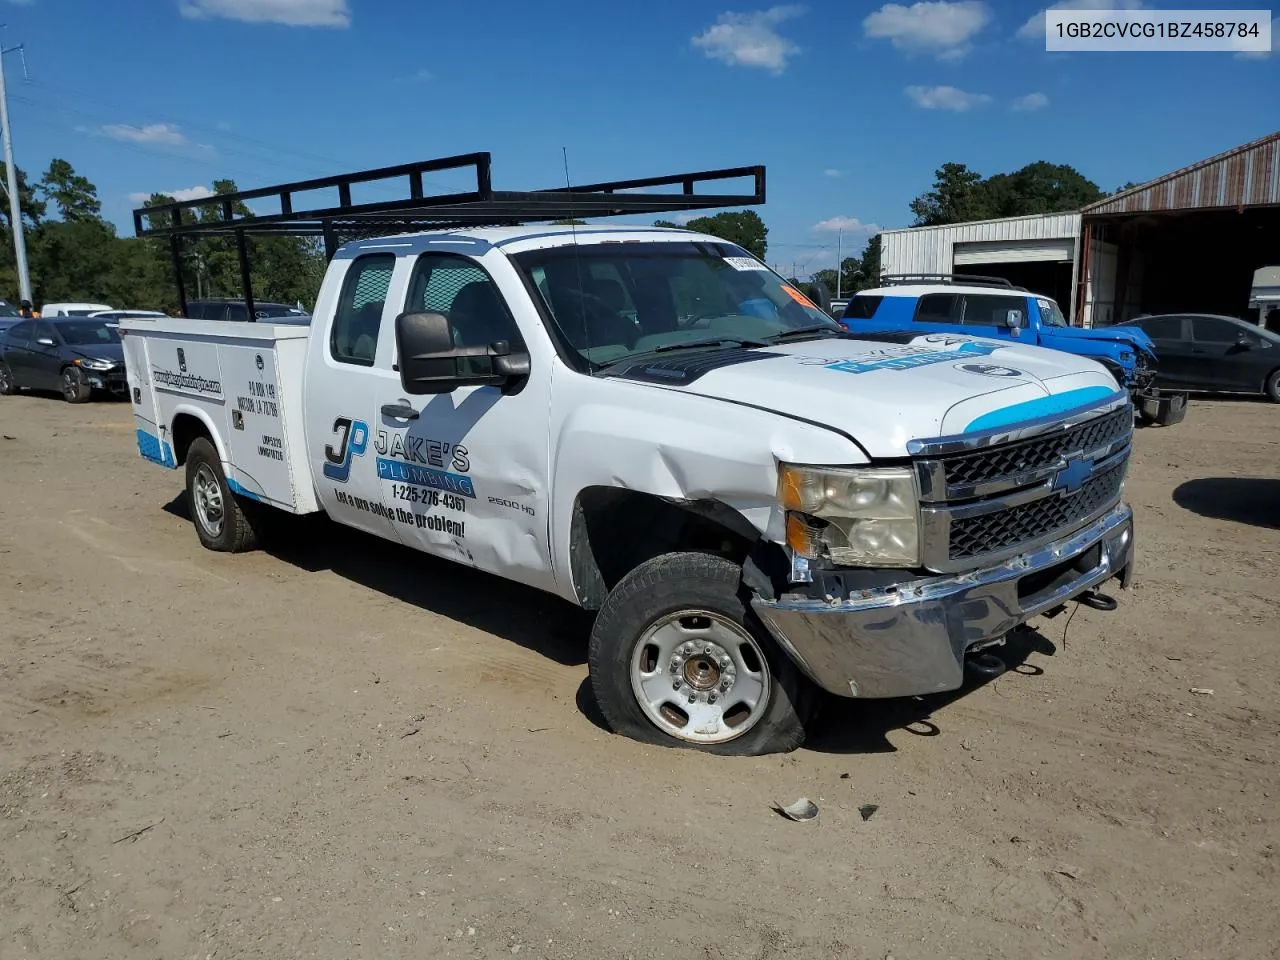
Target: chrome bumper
<point>911,639</point>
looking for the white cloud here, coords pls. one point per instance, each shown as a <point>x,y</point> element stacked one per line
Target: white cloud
<point>1033,29</point>
<point>946,98</point>
<point>832,172</point>
<point>937,27</point>
<point>1263,54</point>
<point>1031,102</point>
<point>291,13</point>
<point>751,39</point>
<point>198,192</point>
<point>847,224</point>
<point>164,134</point>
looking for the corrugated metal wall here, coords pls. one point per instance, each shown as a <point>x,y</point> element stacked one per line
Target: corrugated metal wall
<point>931,249</point>
<point>1249,175</point>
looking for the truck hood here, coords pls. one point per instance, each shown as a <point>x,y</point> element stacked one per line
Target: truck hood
<point>885,389</point>
<point>1131,336</point>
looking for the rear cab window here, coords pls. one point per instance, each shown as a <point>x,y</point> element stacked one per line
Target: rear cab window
<point>862,308</point>
<point>354,335</point>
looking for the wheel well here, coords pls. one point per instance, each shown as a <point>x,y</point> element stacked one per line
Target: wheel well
<point>186,428</point>
<point>614,531</point>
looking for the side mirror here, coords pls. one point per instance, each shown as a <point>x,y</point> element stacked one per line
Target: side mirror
<point>429,359</point>
<point>1244,343</point>
<point>1013,319</point>
<point>45,342</point>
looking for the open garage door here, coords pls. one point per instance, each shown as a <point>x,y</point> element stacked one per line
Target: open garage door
<point>1014,251</point>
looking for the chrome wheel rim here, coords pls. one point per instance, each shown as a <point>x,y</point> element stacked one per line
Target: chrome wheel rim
<point>700,677</point>
<point>4,378</point>
<point>206,500</point>
<point>69,385</point>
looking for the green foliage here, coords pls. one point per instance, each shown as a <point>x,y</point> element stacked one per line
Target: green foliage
<point>743,227</point>
<point>79,256</point>
<point>856,273</point>
<point>961,195</point>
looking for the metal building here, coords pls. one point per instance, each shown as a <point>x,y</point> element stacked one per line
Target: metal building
<point>1038,252</point>
<point>1190,240</point>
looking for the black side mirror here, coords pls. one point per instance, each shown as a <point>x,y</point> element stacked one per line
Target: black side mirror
<point>1244,343</point>
<point>429,360</point>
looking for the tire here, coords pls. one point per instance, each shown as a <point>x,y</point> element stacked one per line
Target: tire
<point>74,389</point>
<point>220,521</point>
<point>8,385</point>
<point>1272,387</point>
<point>645,629</point>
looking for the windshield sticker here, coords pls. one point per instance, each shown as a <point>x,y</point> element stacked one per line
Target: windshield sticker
<point>907,358</point>
<point>797,296</point>
<point>744,263</point>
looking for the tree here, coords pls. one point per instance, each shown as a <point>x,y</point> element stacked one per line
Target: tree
<point>958,195</point>
<point>75,196</point>
<point>743,227</point>
<point>857,273</point>
<point>33,208</point>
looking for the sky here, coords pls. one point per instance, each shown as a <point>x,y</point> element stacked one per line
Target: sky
<point>851,107</point>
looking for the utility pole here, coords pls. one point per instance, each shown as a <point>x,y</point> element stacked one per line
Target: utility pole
<point>839,259</point>
<point>15,201</point>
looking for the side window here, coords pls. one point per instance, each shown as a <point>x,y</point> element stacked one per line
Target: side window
<point>354,337</point>
<point>862,308</point>
<point>237,311</point>
<point>22,331</point>
<point>461,290</point>
<point>1163,328</point>
<point>938,308</point>
<point>987,311</point>
<point>1213,330</point>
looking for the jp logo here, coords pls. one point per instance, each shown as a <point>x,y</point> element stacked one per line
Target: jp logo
<point>355,440</point>
<point>990,370</point>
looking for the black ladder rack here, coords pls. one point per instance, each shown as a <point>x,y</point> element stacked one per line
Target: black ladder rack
<point>415,209</point>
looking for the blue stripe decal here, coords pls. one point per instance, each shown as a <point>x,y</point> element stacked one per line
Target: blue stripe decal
<point>1041,407</point>
<point>240,491</point>
<point>156,450</point>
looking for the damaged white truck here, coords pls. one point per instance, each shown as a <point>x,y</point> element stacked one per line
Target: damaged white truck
<point>653,425</point>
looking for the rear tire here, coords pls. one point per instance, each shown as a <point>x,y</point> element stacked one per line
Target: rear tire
<point>1272,388</point>
<point>8,386</point>
<point>220,521</point>
<point>682,624</point>
<point>74,389</point>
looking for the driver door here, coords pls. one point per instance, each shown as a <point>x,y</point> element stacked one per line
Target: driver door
<point>45,357</point>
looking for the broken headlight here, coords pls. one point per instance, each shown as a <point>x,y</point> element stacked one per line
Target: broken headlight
<point>856,516</point>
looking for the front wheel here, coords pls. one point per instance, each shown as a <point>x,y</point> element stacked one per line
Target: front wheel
<point>1272,388</point>
<point>74,389</point>
<point>8,385</point>
<point>220,522</point>
<point>677,657</point>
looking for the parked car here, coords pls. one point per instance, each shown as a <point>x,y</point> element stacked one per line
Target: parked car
<point>1213,353</point>
<point>72,309</point>
<point>74,355</point>
<point>115,316</point>
<point>9,315</point>
<point>992,307</point>
<point>220,309</point>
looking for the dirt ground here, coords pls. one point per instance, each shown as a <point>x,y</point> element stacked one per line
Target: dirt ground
<point>340,749</point>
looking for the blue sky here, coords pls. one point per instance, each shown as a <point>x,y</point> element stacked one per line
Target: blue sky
<point>850,106</point>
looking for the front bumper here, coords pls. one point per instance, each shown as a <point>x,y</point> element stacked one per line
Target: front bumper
<point>911,639</point>
<point>1161,406</point>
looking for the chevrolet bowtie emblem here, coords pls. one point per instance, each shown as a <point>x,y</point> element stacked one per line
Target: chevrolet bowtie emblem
<point>1073,476</point>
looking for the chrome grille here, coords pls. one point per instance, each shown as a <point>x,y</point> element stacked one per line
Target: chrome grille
<point>988,497</point>
<point>1006,464</point>
<point>995,532</point>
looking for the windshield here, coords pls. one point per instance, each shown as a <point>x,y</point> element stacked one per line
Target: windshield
<point>1050,315</point>
<point>87,332</point>
<point>618,300</point>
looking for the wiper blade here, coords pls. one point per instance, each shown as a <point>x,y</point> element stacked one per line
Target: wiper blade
<point>710,342</point>
<point>804,331</point>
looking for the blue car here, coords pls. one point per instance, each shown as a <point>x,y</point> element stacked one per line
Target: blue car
<point>74,355</point>
<point>994,308</point>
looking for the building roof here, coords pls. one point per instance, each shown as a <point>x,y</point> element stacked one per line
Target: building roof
<point>1246,176</point>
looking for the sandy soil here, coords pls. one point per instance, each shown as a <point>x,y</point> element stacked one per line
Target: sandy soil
<point>340,749</point>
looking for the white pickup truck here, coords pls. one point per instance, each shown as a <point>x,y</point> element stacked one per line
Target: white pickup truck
<point>652,424</point>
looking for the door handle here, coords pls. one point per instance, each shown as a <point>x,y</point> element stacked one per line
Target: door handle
<point>399,411</point>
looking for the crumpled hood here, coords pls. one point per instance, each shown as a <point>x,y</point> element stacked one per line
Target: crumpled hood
<point>1133,336</point>
<point>885,389</point>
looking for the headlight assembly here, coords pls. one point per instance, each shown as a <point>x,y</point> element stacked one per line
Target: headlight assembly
<point>93,363</point>
<point>857,516</point>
